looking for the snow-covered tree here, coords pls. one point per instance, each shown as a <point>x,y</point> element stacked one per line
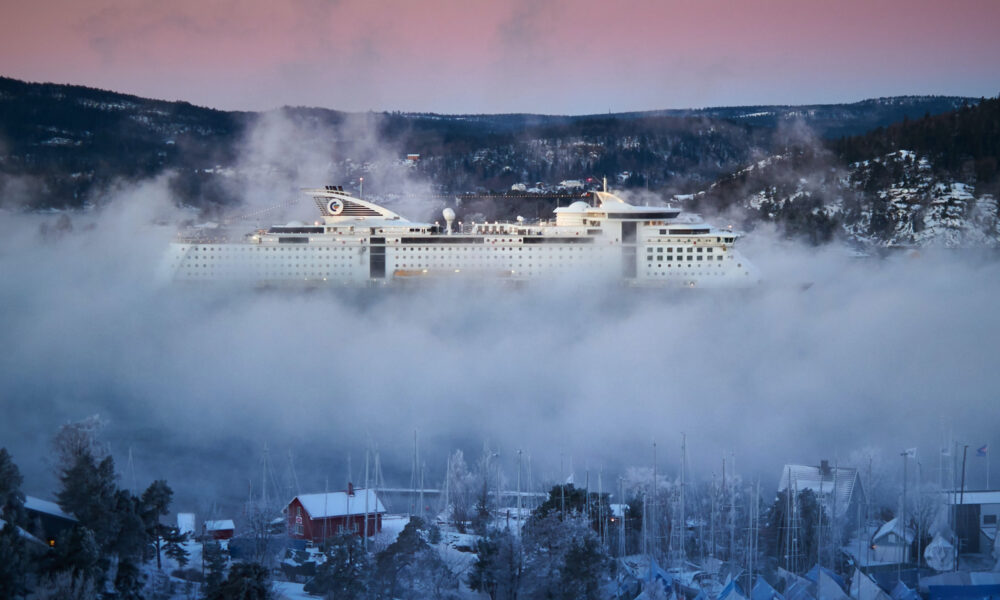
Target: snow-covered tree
<point>499,565</point>
<point>14,563</point>
<point>246,581</point>
<point>173,546</point>
<point>215,565</point>
<point>345,573</point>
<point>410,568</point>
<point>461,485</point>
<point>563,558</point>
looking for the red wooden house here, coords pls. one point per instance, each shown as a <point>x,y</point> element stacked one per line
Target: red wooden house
<point>319,516</point>
<point>219,530</point>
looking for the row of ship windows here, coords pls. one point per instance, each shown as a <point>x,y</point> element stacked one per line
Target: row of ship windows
<point>718,240</point>
<point>681,266</point>
<point>680,273</point>
<point>295,266</point>
<point>679,250</point>
<point>273,258</point>
<point>212,273</point>
<point>670,257</point>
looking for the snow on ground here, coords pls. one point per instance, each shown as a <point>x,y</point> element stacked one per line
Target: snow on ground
<point>286,590</point>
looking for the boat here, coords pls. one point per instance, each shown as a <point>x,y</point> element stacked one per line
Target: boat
<point>357,242</point>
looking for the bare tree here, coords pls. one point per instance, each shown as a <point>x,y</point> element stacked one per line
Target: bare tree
<point>74,440</point>
<point>263,544</point>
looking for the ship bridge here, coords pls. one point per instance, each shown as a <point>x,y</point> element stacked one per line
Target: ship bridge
<point>610,207</point>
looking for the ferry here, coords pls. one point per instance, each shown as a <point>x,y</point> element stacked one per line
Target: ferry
<point>360,243</point>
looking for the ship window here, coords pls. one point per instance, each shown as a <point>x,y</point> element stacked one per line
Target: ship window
<point>649,250</point>
<point>659,258</point>
<point>700,249</point>
<point>660,250</point>
<point>699,258</point>
<point>709,250</point>
<point>989,519</point>
<point>718,258</point>
<point>690,249</point>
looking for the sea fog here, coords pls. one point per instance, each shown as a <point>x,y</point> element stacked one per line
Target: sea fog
<point>832,357</point>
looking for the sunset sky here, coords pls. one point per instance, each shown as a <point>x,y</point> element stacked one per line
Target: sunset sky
<point>478,56</point>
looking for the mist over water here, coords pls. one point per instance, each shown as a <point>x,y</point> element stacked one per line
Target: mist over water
<point>887,352</point>
<point>830,354</point>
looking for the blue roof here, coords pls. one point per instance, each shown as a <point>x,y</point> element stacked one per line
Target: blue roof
<point>763,591</point>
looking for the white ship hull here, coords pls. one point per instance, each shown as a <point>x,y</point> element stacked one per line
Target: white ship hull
<point>641,246</point>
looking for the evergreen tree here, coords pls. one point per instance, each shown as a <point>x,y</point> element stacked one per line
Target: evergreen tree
<point>215,561</point>
<point>129,581</point>
<point>410,568</point>
<point>11,498</point>
<point>563,558</point>
<point>499,565</point>
<point>77,554</point>
<point>346,571</point>
<point>14,563</point>
<point>174,546</point>
<point>130,541</point>
<point>88,493</point>
<point>246,581</point>
<point>155,504</point>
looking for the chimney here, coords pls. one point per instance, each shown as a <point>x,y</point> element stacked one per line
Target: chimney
<point>824,468</point>
<point>350,488</point>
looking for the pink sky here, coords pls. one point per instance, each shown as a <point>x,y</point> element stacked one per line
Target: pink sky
<point>543,56</point>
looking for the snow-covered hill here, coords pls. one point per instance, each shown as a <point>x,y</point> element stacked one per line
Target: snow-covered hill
<point>896,200</point>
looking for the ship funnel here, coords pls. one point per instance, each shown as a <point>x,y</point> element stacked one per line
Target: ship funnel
<point>449,217</point>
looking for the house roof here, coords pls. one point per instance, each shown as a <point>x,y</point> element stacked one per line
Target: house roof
<point>47,507</point>
<point>339,504</point>
<point>893,526</point>
<point>802,477</point>
<point>24,534</point>
<point>220,525</point>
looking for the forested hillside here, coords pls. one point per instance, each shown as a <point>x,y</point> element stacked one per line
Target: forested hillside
<point>927,181</point>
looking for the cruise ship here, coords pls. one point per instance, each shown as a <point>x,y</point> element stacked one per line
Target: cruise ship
<point>359,243</point>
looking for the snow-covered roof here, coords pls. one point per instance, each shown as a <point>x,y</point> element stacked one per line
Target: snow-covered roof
<point>24,534</point>
<point>893,526</point>
<point>220,525</point>
<point>47,507</point>
<point>339,504</point>
<point>822,483</point>
<point>990,497</point>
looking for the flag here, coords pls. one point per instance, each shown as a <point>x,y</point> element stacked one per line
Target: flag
<point>910,452</point>
<point>983,451</point>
